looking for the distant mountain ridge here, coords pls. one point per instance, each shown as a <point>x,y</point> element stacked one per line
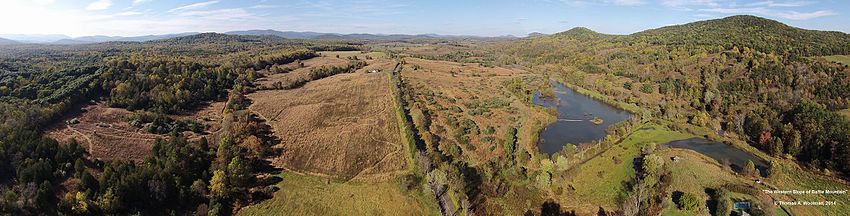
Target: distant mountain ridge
<point>4,41</point>
<point>355,36</point>
<point>763,34</point>
<point>63,39</point>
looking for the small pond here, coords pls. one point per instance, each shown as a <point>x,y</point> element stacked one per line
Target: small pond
<point>576,113</point>
<point>720,151</point>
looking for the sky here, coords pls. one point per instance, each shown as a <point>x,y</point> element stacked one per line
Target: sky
<point>450,17</point>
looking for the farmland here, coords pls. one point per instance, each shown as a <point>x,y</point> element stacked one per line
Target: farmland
<point>341,127</point>
<point>312,195</point>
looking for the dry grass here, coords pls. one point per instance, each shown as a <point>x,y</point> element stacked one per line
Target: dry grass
<point>458,85</point>
<point>300,72</point>
<point>106,133</point>
<point>311,195</point>
<point>342,127</point>
<point>324,59</point>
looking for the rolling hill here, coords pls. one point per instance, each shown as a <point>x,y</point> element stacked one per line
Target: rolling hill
<point>750,31</point>
<point>4,41</point>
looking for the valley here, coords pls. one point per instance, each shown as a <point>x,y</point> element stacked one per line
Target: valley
<point>691,119</point>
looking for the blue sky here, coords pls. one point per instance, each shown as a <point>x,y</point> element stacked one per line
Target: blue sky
<point>455,17</point>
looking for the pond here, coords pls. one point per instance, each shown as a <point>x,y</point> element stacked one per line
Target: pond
<point>737,158</point>
<point>576,116</point>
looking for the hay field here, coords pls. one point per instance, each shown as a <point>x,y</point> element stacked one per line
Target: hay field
<point>107,135</point>
<point>453,93</point>
<point>343,127</point>
<point>312,195</point>
<point>324,59</point>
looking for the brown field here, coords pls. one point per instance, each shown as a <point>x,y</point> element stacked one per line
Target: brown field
<point>325,58</point>
<point>342,126</point>
<point>107,135</point>
<point>456,85</point>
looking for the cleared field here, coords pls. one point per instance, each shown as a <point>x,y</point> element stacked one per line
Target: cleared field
<point>790,176</point>
<point>843,59</point>
<point>107,134</point>
<point>299,72</point>
<point>469,106</point>
<point>599,181</point>
<point>342,127</point>
<point>845,112</point>
<point>324,59</point>
<point>311,195</point>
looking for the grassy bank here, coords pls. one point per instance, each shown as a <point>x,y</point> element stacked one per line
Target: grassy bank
<point>599,181</point>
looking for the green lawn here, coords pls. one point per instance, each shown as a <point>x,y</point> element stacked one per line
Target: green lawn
<point>310,195</point>
<point>791,176</point>
<point>843,59</point>
<point>599,181</point>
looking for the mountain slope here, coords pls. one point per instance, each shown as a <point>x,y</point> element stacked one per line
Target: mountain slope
<point>283,34</point>
<point>750,31</point>
<point>581,33</point>
<point>4,41</point>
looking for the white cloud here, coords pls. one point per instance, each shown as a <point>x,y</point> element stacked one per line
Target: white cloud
<point>194,6</point>
<point>99,5</point>
<point>793,15</point>
<point>44,2</point>
<point>129,13</point>
<point>581,3</point>
<point>223,14</point>
<point>138,2</point>
<point>263,6</point>
<point>629,2</point>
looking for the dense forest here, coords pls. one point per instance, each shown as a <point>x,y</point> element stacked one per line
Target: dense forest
<point>38,83</point>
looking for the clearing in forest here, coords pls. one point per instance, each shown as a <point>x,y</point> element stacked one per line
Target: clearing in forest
<point>343,126</point>
<point>107,133</point>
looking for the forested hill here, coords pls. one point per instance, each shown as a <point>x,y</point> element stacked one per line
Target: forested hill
<point>580,33</point>
<point>762,34</point>
<point>742,75</point>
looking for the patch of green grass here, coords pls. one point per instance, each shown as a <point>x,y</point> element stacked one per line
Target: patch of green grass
<point>359,54</point>
<point>792,177</point>
<point>600,181</point>
<point>843,59</point>
<point>310,195</point>
<point>845,112</point>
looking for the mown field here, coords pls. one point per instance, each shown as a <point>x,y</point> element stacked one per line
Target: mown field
<point>312,195</point>
<point>843,59</point>
<point>599,182</point>
<point>343,127</point>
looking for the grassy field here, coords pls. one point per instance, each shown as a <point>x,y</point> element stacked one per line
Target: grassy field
<point>344,126</point>
<point>792,177</point>
<point>843,59</point>
<point>599,181</point>
<point>358,54</point>
<point>693,173</point>
<point>845,112</point>
<point>311,195</point>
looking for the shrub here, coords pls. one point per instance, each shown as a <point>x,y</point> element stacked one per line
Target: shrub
<point>689,202</point>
